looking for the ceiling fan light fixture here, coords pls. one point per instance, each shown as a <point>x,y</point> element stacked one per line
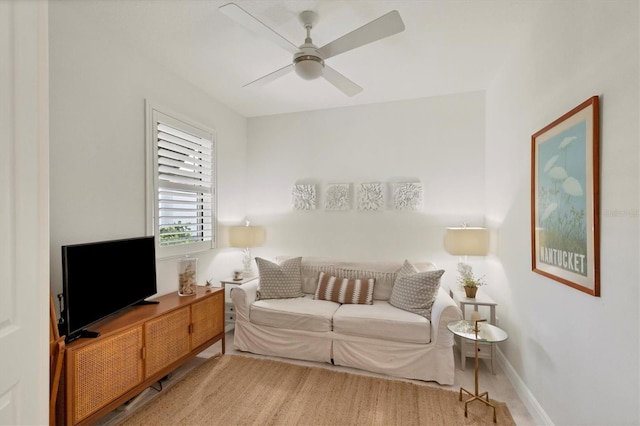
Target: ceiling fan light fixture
<point>308,67</point>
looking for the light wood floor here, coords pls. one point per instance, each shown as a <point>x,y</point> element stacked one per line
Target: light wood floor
<point>497,385</point>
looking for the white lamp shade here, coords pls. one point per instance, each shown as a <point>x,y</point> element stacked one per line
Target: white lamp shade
<point>246,236</point>
<point>309,69</point>
<point>467,241</point>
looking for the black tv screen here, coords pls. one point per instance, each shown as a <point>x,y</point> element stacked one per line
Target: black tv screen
<point>102,278</point>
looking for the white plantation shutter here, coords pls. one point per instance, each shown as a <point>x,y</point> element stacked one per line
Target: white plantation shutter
<point>184,190</point>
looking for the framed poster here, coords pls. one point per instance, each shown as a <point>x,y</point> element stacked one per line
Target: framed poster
<point>565,229</point>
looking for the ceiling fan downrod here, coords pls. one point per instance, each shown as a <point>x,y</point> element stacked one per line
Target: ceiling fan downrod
<point>308,64</point>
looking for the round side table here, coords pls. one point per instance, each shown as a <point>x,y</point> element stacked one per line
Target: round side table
<point>477,331</point>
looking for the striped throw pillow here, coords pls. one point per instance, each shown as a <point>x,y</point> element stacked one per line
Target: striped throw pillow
<point>344,290</point>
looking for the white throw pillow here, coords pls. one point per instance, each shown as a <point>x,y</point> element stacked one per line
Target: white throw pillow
<point>279,281</point>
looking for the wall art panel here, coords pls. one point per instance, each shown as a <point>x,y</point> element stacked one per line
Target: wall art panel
<point>371,197</point>
<point>407,196</point>
<point>338,196</point>
<point>304,197</point>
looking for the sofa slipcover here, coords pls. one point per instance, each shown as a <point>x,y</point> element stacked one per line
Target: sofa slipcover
<point>380,337</point>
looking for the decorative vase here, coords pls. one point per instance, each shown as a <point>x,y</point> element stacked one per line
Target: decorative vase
<point>471,292</point>
<point>187,272</point>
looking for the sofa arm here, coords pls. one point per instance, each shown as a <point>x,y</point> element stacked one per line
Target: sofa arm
<point>444,311</point>
<point>242,297</point>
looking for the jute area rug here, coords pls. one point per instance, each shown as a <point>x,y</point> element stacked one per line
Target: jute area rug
<point>240,390</point>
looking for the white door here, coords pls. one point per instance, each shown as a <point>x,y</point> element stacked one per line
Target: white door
<point>24,213</point>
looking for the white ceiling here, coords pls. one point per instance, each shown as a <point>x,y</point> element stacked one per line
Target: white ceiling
<point>448,46</point>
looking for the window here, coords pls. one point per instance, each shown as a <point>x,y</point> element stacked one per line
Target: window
<point>182,160</point>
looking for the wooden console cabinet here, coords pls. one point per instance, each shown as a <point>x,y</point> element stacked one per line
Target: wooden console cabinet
<point>135,349</point>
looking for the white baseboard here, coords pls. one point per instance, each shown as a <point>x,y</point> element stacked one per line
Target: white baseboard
<point>535,409</point>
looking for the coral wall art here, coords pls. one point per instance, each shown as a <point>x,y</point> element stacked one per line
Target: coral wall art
<point>407,196</point>
<point>304,197</point>
<point>371,197</point>
<point>338,196</point>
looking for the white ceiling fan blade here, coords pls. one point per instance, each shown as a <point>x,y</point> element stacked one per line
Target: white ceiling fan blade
<point>271,76</point>
<point>385,26</point>
<point>256,26</point>
<point>345,85</point>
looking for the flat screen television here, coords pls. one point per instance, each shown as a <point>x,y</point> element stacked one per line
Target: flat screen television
<point>102,278</point>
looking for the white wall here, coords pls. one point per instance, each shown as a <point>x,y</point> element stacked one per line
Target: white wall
<point>437,141</point>
<point>577,354</point>
<point>98,92</point>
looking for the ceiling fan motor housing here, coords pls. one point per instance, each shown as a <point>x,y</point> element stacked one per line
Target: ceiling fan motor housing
<point>308,63</point>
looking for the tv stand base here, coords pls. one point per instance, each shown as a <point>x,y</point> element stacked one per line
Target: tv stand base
<point>82,333</point>
<point>146,302</point>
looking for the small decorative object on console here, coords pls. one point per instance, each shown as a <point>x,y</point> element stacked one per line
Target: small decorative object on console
<point>188,268</point>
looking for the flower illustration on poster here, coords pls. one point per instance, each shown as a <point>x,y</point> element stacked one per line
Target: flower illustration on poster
<point>407,196</point>
<point>562,182</point>
<point>371,197</point>
<point>338,196</point>
<point>304,197</point>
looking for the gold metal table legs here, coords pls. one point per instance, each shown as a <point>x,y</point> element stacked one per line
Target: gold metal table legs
<point>477,396</point>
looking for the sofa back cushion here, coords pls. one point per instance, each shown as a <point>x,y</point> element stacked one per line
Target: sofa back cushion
<point>344,290</point>
<point>384,273</point>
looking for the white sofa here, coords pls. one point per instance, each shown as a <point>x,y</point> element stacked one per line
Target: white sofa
<point>378,337</point>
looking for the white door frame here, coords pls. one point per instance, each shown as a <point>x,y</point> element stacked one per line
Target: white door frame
<point>24,212</point>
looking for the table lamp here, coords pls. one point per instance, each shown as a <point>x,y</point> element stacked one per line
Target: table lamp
<point>246,237</point>
<point>467,241</point>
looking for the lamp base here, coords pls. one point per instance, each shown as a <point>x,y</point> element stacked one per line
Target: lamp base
<point>246,262</point>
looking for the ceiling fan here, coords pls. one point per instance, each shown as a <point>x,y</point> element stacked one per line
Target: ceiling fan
<point>308,59</point>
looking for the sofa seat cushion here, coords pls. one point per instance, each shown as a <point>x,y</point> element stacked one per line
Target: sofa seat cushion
<point>382,321</point>
<point>301,313</point>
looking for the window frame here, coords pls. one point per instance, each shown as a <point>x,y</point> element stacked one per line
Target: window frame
<point>153,112</point>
